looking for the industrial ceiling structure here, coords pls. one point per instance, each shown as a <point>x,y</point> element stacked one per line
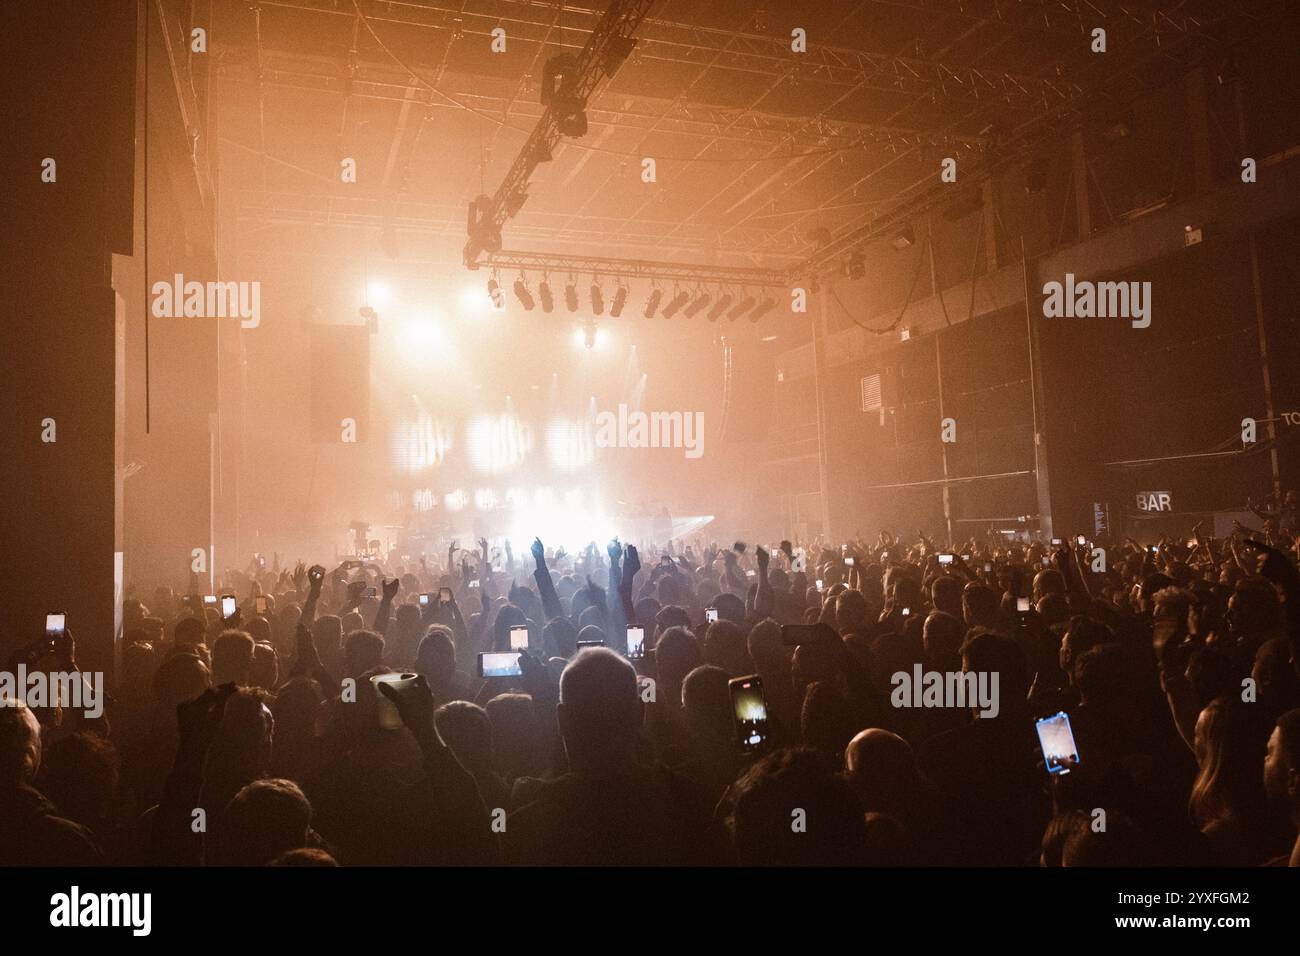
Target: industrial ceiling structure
<point>804,155</point>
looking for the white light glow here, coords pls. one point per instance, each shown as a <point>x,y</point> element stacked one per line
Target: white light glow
<point>497,443</point>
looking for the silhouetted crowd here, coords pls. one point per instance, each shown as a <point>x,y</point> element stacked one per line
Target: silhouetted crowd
<point>259,737</point>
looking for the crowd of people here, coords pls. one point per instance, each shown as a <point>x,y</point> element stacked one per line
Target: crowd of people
<point>258,737</point>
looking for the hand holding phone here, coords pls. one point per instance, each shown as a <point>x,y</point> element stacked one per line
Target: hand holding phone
<point>635,642</point>
<point>499,664</point>
<point>749,709</point>
<point>1060,755</point>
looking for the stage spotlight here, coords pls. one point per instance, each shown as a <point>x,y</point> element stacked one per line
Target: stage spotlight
<point>652,303</point>
<point>495,294</point>
<point>548,300</point>
<point>523,295</point>
<point>743,306</point>
<point>589,335</point>
<point>763,307</point>
<point>571,297</point>
<point>696,307</point>
<point>719,307</point>
<point>620,300</point>
<point>675,306</point>
<point>597,300</point>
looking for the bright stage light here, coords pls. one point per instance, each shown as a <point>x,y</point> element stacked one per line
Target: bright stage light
<point>378,294</point>
<point>570,445</point>
<point>485,499</point>
<point>497,443</point>
<point>475,301</point>
<point>590,336</point>
<point>455,501</point>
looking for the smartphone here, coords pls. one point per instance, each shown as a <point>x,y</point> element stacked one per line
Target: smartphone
<point>228,606</point>
<point>945,559</point>
<point>635,642</point>
<point>1056,542</point>
<point>965,557</point>
<point>711,613</point>
<point>988,569</point>
<point>55,623</point>
<point>749,707</point>
<point>210,600</point>
<point>800,562</point>
<point>848,562</point>
<point>499,664</point>
<point>519,638</point>
<point>751,573</point>
<point>259,605</point>
<point>444,595</point>
<point>819,585</point>
<point>582,644</point>
<point>474,583</point>
<point>261,561</point>
<point>1056,739</point>
<point>371,591</point>
<point>907,611</point>
<point>424,600</point>
<point>1081,540</point>
<point>1022,605</point>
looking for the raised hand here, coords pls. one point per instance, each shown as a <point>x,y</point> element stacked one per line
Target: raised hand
<point>614,550</point>
<point>539,551</point>
<point>763,558</point>
<point>390,588</point>
<point>414,704</point>
<point>631,562</point>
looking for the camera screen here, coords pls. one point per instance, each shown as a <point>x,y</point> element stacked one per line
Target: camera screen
<point>1057,742</point>
<point>635,641</point>
<point>750,710</point>
<point>227,606</point>
<point>710,615</point>
<point>500,664</point>
<point>519,638</point>
<point>54,623</point>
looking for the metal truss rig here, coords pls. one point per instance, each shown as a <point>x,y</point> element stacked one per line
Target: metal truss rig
<point>547,263</point>
<point>604,51</point>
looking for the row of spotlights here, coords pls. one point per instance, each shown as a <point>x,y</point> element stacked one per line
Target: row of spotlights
<point>680,302</point>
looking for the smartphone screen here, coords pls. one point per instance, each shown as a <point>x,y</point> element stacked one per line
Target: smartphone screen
<point>499,664</point>
<point>371,591</point>
<point>907,611</point>
<point>945,559</point>
<point>749,707</point>
<point>424,600</point>
<point>711,613</point>
<point>210,599</point>
<point>227,606</point>
<point>988,568</point>
<point>800,562</point>
<point>582,644</point>
<point>444,595</point>
<point>519,638</point>
<point>1022,605</point>
<point>819,584</point>
<point>259,605</point>
<point>1057,741</point>
<point>54,623</point>
<point>635,642</point>
<point>848,562</point>
<point>1056,541</point>
<point>1081,540</point>
<point>474,583</point>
